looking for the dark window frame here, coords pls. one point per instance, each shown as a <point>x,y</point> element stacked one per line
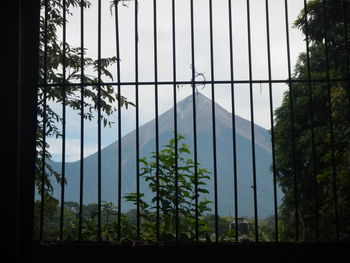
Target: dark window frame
<point>21,94</point>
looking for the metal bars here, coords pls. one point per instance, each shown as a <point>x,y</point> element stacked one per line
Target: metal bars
<point>331,132</point>
<point>82,113</point>
<point>137,125</point>
<point>213,122</point>
<point>155,39</point>
<point>254,186</point>
<point>234,143</point>
<point>311,121</point>
<point>291,107</point>
<point>175,124</point>
<point>119,200</point>
<point>232,81</point>
<point>203,82</point>
<point>63,166</point>
<point>195,154</point>
<point>271,119</point>
<point>99,160</point>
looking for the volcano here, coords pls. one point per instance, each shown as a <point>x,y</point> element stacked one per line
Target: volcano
<point>224,153</point>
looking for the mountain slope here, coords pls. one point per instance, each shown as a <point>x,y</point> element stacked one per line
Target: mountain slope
<point>224,152</point>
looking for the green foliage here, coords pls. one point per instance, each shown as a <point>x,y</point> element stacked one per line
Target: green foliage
<point>174,180</point>
<point>109,225</point>
<point>50,212</point>
<point>225,234</point>
<point>314,166</point>
<point>53,55</point>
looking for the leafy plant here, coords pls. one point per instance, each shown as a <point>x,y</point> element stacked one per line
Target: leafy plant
<point>172,182</point>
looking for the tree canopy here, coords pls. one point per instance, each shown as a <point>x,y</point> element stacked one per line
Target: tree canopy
<point>61,66</point>
<point>68,77</point>
<point>312,141</point>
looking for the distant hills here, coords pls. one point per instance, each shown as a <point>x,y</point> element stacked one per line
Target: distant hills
<point>205,157</point>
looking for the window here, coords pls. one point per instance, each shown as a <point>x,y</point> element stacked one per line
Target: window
<point>192,121</point>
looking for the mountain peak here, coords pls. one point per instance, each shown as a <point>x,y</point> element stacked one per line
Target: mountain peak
<point>223,117</point>
<point>203,105</point>
<point>199,97</point>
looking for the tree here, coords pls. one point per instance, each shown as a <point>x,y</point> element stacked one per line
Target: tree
<point>319,134</point>
<point>54,57</point>
<point>174,201</point>
<point>223,225</point>
<point>50,211</point>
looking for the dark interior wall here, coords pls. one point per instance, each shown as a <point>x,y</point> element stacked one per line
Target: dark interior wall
<point>20,75</point>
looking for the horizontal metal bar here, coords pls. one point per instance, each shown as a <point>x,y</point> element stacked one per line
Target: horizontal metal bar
<point>189,82</point>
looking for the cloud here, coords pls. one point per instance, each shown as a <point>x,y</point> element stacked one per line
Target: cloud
<point>183,56</point>
<point>72,149</point>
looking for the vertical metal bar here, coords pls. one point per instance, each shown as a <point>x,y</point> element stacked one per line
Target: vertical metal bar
<point>213,120</point>
<point>252,124</point>
<point>119,122</point>
<point>234,142</point>
<point>156,113</point>
<point>82,80</point>
<point>271,119</point>
<point>43,158</point>
<point>137,125</point>
<point>333,170</point>
<point>295,181</point>
<point>313,147</point>
<point>99,125</point>
<point>194,124</point>
<point>175,126</point>
<point>63,168</point>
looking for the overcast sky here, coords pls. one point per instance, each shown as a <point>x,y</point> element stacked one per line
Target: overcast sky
<point>183,58</point>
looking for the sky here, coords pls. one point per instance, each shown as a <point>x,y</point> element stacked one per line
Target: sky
<point>221,58</point>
